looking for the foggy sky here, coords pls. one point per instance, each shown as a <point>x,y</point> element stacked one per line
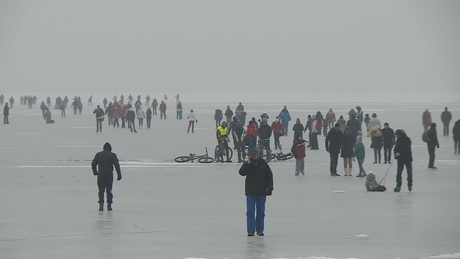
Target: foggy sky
<point>197,46</point>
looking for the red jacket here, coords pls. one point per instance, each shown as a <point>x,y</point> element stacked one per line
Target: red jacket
<point>163,107</point>
<point>123,111</point>
<point>299,148</point>
<point>277,127</point>
<point>251,130</point>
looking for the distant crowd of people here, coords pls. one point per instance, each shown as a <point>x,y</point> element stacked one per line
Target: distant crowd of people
<point>342,137</point>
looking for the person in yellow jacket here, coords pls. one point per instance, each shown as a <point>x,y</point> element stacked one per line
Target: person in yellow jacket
<point>223,139</point>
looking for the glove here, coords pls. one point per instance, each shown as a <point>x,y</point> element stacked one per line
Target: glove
<point>119,178</point>
<point>269,193</point>
<point>95,173</point>
<point>438,146</point>
<point>327,150</point>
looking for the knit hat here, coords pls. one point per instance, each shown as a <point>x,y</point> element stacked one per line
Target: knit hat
<point>253,151</point>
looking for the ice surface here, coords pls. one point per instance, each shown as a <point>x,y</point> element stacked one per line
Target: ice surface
<point>162,209</point>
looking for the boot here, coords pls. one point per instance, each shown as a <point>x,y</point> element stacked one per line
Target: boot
<point>455,148</point>
<point>101,207</point>
<point>349,171</point>
<point>380,158</point>
<point>360,175</point>
<point>109,207</point>
<point>346,171</point>
<point>364,174</point>
<point>375,159</point>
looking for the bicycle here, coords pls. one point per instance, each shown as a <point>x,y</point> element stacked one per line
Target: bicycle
<point>264,153</point>
<point>220,152</point>
<point>201,158</point>
<point>281,156</point>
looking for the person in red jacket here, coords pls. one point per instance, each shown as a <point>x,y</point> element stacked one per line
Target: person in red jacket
<point>298,150</point>
<point>122,116</point>
<point>163,109</point>
<point>278,130</point>
<point>251,135</point>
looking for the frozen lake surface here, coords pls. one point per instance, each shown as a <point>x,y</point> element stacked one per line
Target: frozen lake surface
<point>162,209</point>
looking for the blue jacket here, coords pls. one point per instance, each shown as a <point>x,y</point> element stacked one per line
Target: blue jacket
<point>360,152</point>
<point>284,118</point>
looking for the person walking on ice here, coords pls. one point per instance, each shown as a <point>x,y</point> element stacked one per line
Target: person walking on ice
<point>102,166</point>
<point>403,153</point>
<point>191,121</point>
<point>298,149</point>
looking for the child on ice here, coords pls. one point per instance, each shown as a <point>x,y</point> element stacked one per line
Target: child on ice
<point>298,150</point>
<point>372,185</point>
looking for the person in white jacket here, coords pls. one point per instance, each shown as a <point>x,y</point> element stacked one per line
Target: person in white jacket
<point>374,122</point>
<point>191,121</point>
<point>141,116</point>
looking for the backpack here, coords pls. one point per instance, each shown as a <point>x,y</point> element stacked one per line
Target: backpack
<point>425,137</point>
<point>319,126</point>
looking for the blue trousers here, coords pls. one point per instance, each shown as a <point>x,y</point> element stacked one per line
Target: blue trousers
<point>255,212</point>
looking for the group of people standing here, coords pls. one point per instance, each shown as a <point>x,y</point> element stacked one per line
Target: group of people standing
<point>117,111</point>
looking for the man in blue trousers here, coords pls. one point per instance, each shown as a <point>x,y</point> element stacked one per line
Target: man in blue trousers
<point>258,185</point>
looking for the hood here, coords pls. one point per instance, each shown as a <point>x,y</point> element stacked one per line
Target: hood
<point>370,177</point>
<point>107,147</point>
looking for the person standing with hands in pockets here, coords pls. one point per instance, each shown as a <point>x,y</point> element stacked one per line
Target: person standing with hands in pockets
<point>258,185</point>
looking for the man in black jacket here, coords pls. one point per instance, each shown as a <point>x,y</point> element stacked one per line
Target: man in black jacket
<point>258,185</point>
<point>388,141</point>
<point>333,146</point>
<point>403,153</point>
<point>6,112</point>
<point>446,117</point>
<point>102,166</point>
<point>354,126</point>
<point>264,133</point>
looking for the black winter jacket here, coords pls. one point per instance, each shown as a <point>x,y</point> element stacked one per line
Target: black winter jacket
<point>388,137</point>
<point>403,147</point>
<point>298,129</point>
<point>265,131</point>
<point>354,126</point>
<point>259,177</point>
<point>103,163</point>
<point>334,141</point>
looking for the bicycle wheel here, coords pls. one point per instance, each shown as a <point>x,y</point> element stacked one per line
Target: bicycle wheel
<point>206,160</point>
<point>285,157</point>
<point>268,155</point>
<point>182,159</point>
<point>265,154</point>
<point>217,154</point>
<point>230,153</point>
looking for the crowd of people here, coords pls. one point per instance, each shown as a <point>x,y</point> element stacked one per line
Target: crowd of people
<point>341,137</point>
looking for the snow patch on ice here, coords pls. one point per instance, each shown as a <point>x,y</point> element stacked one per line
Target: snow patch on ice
<point>446,256</point>
<point>311,257</point>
